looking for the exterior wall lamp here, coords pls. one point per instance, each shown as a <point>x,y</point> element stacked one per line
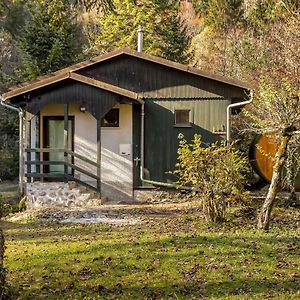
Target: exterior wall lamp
<point>82,108</point>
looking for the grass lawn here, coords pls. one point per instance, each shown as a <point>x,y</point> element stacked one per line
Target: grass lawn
<point>173,257</point>
<point>9,197</point>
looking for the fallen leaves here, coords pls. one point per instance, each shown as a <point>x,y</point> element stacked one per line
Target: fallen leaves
<point>174,257</point>
<point>219,266</point>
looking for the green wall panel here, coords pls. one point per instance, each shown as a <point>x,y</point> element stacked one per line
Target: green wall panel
<point>161,136</point>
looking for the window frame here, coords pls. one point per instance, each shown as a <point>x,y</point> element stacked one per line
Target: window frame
<point>186,124</point>
<point>111,125</point>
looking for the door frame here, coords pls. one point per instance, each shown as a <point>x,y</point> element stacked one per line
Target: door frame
<point>136,145</point>
<point>46,137</point>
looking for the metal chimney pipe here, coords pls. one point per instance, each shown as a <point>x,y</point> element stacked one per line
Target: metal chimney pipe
<point>140,39</point>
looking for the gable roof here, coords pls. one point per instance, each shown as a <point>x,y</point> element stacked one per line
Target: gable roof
<point>63,74</point>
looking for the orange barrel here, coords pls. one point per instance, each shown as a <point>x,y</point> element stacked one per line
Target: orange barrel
<point>261,153</point>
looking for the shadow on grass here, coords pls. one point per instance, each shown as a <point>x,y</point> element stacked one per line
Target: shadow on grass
<point>244,288</point>
<point>132,249</point>
<point>40,231</point>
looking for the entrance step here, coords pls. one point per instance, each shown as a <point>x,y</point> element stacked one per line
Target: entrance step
<point>59,194</point>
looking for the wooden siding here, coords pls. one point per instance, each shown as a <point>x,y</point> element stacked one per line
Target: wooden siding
<point>98,102</point>
<point>158,81</point>
<point>161,137</point>
<point>164,89</point>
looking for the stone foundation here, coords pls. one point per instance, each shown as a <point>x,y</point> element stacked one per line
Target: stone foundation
<point>59,194</point>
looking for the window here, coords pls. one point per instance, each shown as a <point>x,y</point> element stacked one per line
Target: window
<point>111,119</point>
<point>182,117</point>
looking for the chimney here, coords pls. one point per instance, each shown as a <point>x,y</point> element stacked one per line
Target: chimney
<point>140,39</point>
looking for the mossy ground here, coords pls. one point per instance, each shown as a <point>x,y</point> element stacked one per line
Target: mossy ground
<point>170,257</point>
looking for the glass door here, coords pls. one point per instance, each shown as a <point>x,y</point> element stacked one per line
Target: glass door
<point>54,138</point>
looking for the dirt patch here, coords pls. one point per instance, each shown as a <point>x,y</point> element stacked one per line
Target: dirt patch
<point>115,214</point>
<point>105,220</point>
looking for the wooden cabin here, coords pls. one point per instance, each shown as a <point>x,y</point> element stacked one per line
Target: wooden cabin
<point>104,121</point>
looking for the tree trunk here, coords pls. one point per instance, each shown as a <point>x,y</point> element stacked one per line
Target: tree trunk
<point>291,177</point>
<point>2,271</point>
<point>264,216</point>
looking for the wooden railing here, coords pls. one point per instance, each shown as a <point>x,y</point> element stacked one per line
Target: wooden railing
<point>66,163</point>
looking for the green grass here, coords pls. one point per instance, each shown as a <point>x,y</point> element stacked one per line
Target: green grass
<point>177,257</point>
<point>9,197</point>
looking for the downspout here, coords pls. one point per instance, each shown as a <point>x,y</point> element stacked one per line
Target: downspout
<point>21,151</point>
<point>228,119</point>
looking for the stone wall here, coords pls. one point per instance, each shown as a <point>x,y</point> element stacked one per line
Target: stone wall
<point>59,194</point>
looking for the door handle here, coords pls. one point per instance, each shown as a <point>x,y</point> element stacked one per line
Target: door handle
<point>136,160</point>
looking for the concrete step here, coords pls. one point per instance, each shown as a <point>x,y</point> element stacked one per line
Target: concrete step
<point>59,194</point>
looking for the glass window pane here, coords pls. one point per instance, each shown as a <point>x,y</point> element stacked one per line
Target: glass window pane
<point>56,140</point>
<point>182,116</point>
<point>111,119</point>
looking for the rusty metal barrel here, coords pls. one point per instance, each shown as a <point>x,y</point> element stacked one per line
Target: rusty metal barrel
<point>261,153</point>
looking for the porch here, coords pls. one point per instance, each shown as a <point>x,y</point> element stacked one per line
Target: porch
<point>67,138</point>
<point>66,143</point>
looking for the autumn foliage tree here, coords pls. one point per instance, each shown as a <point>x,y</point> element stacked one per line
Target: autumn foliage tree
<point>276,108</point>
<point>276,111</point>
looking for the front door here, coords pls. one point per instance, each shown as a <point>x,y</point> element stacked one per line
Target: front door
<point>54,138</point>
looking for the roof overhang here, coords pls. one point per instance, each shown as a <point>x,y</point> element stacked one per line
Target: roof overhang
<point>76,77</point>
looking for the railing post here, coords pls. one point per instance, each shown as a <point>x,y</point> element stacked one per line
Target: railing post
<point>28,145</point>
<point>66,138</point>
<point>99,156</point>
<point>37,143</point>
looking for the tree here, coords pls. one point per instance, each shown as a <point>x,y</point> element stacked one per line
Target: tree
<point>262,47</point>
<point>215,173</point>
<point>222,22</point>
<point>292,170</point>
<point>51,38</point>
<point>276,110</point>
<point>105,5</point>
<point>163,35</point>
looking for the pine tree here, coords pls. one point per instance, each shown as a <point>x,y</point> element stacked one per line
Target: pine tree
<point>51,38</point>
<point>163,33</point>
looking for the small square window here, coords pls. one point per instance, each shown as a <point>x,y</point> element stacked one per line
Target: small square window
<point>183,117</point>
<point>111,119</point>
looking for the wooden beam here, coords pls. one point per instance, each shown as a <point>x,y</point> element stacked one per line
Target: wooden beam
<point>60,162</point>
<point>66,135</point>
<point>28,142</point>
<point>106,86</point>
<point>37,141</point>
<point>55,150</point>
<point>46,150</point>
<point>99,156</point>
<point>18,90</point>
